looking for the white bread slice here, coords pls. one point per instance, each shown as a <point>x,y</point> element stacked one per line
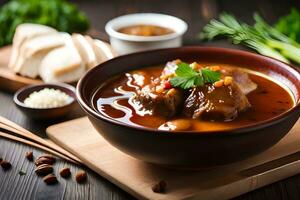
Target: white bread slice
<point>62,64</point>
<point>24,32</point>
<point>106,48</point>
<point>33,50</point>
<point>85,50</point>
<point>102,50</point>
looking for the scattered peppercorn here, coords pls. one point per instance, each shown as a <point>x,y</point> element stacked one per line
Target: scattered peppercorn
<point>29,155</point>
<point>50,157</point>
<point>81,176</point>
<point>45,159</point>
<point>50,179</point>
<point>65,172</point>
<point>41,161</point>
<point>159,187</point>
<point>43,169</point>
<point>5,165</point>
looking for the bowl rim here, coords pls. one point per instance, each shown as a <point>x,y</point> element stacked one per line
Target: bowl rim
<point>110,30</point>
<point>44,85</point>
<point>239,130</point>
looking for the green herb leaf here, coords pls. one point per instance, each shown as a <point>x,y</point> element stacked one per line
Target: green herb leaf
<point>199,81</point>
<point>210,76</point>
<point>178,81</point>
<point>189,83</point>
<point>186,77</point>
<point>21,173</point>
<point>185,70</point>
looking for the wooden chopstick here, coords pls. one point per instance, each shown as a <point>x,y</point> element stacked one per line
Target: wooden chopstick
<point>13,128</point>
<point>39,141</point>
<point>12,137</point>
<point>13,125</point>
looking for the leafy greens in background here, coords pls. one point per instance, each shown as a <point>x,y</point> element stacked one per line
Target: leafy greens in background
<point>60,14</point>
<point>261,37</point>
<point>290,25</point>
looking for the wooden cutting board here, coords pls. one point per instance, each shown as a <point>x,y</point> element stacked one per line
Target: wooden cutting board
<point>10,81</point>
<point>136,177</point>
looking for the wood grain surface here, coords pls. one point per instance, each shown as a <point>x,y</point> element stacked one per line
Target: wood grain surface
<point>196,13</point>
<point>136,177</point>
<point>13,186</point>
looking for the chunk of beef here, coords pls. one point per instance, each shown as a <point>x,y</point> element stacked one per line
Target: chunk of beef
<point>241,78</point>
<point>223,103</point>
<point>166,103</point>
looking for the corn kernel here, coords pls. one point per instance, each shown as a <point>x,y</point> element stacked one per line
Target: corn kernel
<point>177,61</point>
<point>227,80</point>
<point>159,89</point>
<point>215,68</point>
<point>167,76</point>
<point>171,92</point>
<point>219,83</point>
<point>163,77</point>
<point>195,66</point>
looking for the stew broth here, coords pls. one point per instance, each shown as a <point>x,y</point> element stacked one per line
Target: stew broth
<point>113,100</point>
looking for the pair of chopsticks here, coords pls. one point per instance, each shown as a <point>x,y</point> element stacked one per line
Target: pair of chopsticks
<point>13,131</point>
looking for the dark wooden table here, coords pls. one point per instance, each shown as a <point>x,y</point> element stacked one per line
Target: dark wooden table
<point>196,13</point>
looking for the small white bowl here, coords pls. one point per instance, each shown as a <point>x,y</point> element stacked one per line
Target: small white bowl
<point>124,43</point>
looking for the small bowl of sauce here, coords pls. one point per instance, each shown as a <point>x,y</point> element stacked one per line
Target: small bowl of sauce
<point>46,101</point>
<point>145,31</point>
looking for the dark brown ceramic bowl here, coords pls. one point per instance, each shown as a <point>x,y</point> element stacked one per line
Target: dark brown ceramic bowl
<point>191,149</point>
<point>45,113</point>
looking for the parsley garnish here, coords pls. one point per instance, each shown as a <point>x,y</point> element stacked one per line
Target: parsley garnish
<point>186,77</point>
<point>210,76</point>
<point>21,173</point>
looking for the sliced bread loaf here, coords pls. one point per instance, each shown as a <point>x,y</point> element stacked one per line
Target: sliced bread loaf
<point>33,50</point>
<point>105,48</point>
<point>100,55</point>
<point>62,64</point>
<point>23,33</point>
<point>85,50</point>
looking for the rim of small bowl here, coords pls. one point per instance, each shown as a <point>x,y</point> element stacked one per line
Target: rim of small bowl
<point>179,28</point>
<point>239,130</point>
<point>45,85</point>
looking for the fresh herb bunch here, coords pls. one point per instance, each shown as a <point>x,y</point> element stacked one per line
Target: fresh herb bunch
<point>186,77</point>
<point>59,14</point>
<point>290,25</point>
<point>261,37</point>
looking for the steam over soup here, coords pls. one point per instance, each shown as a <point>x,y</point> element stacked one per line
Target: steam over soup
<point>191,97</point>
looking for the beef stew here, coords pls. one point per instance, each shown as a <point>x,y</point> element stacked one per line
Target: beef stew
<point>151,98</point>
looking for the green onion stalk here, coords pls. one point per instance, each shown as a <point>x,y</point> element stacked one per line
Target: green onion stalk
<point>261,37</point>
